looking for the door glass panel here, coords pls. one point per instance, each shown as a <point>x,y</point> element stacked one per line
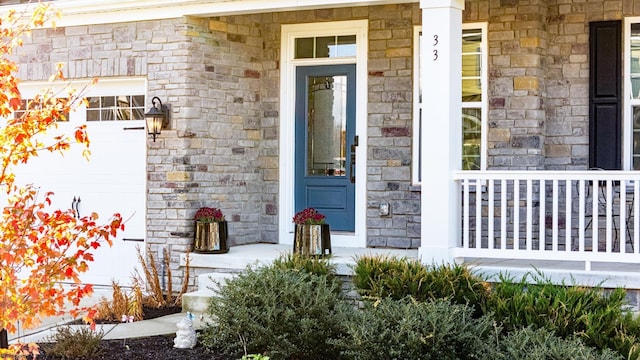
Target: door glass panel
<point>326,125</point>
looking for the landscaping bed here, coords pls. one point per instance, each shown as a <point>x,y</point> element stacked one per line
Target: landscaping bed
<point>150,348</point>
<point>295,309</point>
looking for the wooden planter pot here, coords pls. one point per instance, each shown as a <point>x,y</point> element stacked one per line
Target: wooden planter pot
<point>211,238</point>
<point>312,240</point>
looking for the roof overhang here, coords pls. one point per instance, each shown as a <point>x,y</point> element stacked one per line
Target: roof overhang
<point>85,12</point>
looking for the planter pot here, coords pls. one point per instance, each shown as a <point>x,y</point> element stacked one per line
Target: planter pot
<point>312,240</point>
<point>211,238</point>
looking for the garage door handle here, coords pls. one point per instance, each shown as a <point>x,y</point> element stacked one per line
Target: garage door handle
<point>133,128</point>
<point>132,239</point>
<point>75,206</point>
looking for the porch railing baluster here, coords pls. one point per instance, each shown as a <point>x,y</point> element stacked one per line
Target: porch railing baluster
<point>516,214</point>
<point>465,211</point>
<point>490,238</point>
<point>543,221</point>
<point>595,207</point>
<point>554,216</point>
<point>529,214</point>
<point>622,206</point>
<point>503,214</point>
<point>479,213</point>
<point>581,214</point>
<point>609,211</point>
<point>568,204</point>
<point>636,216</point>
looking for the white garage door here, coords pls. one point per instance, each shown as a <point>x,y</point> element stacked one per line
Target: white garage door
<point>113,180</point>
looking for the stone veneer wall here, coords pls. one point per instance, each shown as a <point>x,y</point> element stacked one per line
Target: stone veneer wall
<point>539,79</point>
<point>517,44</point>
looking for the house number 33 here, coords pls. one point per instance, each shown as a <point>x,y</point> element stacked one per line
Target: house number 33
<point>435,45</point>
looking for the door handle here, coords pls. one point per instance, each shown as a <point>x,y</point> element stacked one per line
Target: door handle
<point>352,165</point>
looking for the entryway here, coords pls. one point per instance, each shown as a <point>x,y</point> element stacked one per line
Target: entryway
<point>323,127</point>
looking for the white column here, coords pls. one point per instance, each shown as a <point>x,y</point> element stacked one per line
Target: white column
<point>440,59</point>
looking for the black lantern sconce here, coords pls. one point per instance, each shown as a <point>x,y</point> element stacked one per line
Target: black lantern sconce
<point>157,118</point>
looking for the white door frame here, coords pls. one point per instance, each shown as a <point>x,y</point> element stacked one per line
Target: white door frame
<point>288,67</point>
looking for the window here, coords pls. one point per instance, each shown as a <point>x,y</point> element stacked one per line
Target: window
<point>120,107</point>
<point>325,47</point>
<point>631,122</point>
<point>634,79</point>
<point>474,99</point>
<point>31,105</point>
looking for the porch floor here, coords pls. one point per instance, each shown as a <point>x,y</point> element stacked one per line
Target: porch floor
<point>239,257</point>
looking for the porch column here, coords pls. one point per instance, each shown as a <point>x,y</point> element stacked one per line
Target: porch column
<point>440,59</point>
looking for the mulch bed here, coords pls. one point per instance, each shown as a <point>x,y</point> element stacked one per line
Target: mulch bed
<point>150,348</point>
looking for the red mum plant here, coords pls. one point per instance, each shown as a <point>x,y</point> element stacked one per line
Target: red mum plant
<point>309,216</point>
<point>209,215</point>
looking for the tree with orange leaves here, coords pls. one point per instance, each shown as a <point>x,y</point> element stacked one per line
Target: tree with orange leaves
<point>40,248</point>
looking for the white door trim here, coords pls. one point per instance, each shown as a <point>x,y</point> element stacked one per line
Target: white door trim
<point>287,115</point>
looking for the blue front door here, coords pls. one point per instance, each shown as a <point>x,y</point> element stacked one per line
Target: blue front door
<point>325,141</point>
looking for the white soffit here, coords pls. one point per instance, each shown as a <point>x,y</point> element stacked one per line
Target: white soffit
<point>87,12</point>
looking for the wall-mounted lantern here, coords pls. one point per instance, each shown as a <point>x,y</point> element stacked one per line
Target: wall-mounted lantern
<point>157,118</point>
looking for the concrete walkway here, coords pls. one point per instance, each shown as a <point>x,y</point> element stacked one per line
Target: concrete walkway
<point>165,325</point>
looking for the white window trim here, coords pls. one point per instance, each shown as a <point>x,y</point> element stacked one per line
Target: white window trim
<point>288,66</point>
<point>484,104</point>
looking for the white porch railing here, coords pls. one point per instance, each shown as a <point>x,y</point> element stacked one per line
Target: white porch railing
<point>588,216</point>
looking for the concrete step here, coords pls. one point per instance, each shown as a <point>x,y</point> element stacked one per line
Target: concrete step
<point>196,302</point>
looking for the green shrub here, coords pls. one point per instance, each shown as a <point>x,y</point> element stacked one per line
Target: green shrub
<point>309,264</point>
<point>255,357</point>
<point>543,344</point>
<point>382,276</point>
<point>69,343</point>
<point>407,329</point>
<point>597,316</point>
<point>281,313</point>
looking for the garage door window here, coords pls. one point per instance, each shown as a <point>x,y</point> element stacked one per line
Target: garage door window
<point>111,108</point>
<point>29,104</point>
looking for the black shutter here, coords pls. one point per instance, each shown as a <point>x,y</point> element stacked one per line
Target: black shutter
<point>605,95</point>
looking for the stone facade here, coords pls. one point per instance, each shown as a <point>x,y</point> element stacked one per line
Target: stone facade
<point>539,79</point>
<point>221,77</point>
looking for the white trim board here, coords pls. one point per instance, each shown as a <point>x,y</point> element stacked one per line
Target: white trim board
<point>92,12</point>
